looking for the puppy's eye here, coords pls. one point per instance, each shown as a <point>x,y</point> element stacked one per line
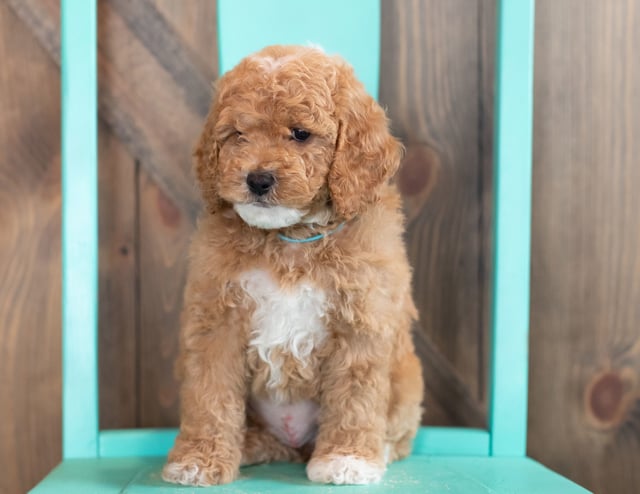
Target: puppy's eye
<point>240,137</point>
<point>300,135</point>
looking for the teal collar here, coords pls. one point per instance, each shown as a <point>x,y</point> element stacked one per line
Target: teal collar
<point>310,239</point>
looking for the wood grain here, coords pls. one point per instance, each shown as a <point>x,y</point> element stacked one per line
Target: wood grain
<point>142,100</point>
<point>30,349</point>
<point>165,230</point>
<point>118,283</point>
<point>196,22</point>
<point>431,86</point>
<point>163,225</point>
<point>157,58</point>
<point>164,240</point>
<point>585,350</point>
<point>147,102</point>
<point>486,78</point>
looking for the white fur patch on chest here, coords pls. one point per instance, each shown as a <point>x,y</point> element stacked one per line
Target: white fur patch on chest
<point>288,321</point>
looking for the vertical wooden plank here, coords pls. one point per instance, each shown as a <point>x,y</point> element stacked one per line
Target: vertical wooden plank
<point>430,84</point>
<point>118,324</point>
<point>585,356</point>
<point>487,46</point>
<point>165,230</point>
<point>79,229</point>
<point>164,240</point>
<point>30,349</point>
<point>119,328</point>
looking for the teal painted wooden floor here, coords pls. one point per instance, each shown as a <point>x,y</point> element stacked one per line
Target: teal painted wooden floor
<point>417,474</point>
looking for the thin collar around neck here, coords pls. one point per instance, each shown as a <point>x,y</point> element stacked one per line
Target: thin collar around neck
<point>313,238</point>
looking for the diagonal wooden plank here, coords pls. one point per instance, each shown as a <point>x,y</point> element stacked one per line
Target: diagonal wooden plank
<point>197,23</point>
<point>135,87</point>
<point>186,69</point>
<point>445,387</point>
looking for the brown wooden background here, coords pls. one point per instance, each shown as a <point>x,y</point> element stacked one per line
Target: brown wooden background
<point>156,61</point>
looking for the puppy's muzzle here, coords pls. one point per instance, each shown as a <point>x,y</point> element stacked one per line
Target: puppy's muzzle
<point>260,183</point>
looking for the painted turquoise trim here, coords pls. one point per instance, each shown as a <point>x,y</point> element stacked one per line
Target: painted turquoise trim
<point>512,195</point>
<point>451,441</point>
<point>413,475</point>
<point>247,26</point>
<point>136,442</point>
<point>439,441</point>
<point>79,229</point>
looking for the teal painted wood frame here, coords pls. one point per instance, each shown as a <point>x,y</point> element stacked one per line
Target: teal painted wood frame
<point>303,23</point>
<point>512,227</point>
<point>435,441</point>
<point>79,230</point>
<point>81,438</point>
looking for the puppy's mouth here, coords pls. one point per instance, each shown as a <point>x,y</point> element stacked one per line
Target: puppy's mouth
<point>268,216</point>
<point>260,204</point>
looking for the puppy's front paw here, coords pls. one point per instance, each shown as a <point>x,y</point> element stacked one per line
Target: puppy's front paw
<point>339,469</point>
<point>198,463</point>
<point>197,474</point>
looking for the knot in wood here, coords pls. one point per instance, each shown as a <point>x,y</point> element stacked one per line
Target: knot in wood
<point>419,170</point>
<point>169,213</point>
<point>607,399</point>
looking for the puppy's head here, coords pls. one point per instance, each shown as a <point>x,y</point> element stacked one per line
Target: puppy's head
<point>292,137</point>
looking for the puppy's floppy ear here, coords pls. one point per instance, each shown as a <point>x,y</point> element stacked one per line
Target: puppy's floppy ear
<point>366,154</point>
<point>206,162</point>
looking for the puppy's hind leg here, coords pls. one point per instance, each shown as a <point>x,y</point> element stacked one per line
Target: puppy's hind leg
<point>405,410</point>
<point>260,446</point>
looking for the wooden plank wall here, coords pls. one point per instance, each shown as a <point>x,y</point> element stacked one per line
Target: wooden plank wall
<point>30,349</point>
<point>430,83</point>
<point>156,61</point>
<point>585,313</point>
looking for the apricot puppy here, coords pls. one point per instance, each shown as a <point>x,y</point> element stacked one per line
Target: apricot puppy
<point>295,342</point>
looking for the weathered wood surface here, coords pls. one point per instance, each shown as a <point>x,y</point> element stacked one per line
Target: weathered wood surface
<point>165,225</point>
<point>30,347</point>
<point>432,88</point>
<point>118,282</point>
<point>585,313</point>
<point>156,61</point>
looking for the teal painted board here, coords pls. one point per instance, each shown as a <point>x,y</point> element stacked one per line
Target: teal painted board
<point>414,475</point>
<point>136,442</point>
<point>348,28</point>
<point>451,441</point>
<point>512,196</point>
<point>92,476</point>
<point>79,229</point>
<point>442,441</point>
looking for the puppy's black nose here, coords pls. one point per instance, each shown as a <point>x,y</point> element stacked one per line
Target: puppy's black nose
<point>260,182</point>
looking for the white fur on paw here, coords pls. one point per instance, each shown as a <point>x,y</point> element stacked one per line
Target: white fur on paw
<point>387,453</point>
<point>179,473</point>
<point>344,470</point>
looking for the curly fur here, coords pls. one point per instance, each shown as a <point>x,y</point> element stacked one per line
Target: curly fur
<point>270,326</point>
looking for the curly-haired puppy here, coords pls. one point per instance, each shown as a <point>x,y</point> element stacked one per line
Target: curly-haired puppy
<point>295,339</point>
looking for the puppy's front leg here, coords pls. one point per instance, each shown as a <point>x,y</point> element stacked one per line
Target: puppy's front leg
<point>354,401</point>
<point>212,362</point>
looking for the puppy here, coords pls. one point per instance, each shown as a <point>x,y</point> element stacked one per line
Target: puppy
<point>295,342</point>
